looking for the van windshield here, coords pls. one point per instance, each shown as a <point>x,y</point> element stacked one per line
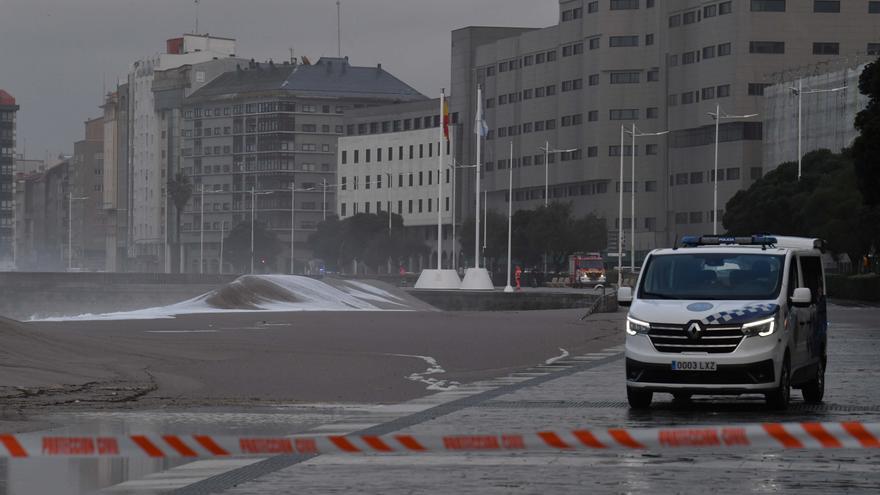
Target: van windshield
<point>712,276</point>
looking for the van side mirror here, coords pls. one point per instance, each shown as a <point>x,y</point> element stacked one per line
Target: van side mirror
<point>802,297</point>
<point>624,296</point>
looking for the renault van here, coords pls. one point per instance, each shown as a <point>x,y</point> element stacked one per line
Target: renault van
<point>728,315</point>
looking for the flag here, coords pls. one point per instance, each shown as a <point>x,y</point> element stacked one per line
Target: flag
<point>446,119</point>
<point>480,127</point>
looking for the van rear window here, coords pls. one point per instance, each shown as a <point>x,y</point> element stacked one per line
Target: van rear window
<point>712,276</point>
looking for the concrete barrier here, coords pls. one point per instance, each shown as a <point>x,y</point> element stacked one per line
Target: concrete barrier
<point>463,300</point>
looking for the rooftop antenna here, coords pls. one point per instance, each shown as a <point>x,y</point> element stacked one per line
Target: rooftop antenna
<point>197,17</point>
<point>338,29</point>
<point>292,58</point>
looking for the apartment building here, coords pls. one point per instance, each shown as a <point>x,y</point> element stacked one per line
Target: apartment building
<point>87,187</point>
<point>8,110</point>
<point>661,66</point>
<point>151,138</point>
<point>252,132</point>
<point>389,160</point>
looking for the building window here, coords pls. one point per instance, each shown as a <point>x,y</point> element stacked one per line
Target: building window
<point>593,7</point>
<point>594,43</point>
<point>708,93</point>
<point>874,7</point>
<point>653,75</point>
<point>688,58</point>
<point>649,39</point>
<point>826,48</point>
<point>628,77</point>
<point>725,8</point>
<point>733,174</point>
<point>673,60</point>
<point>675,20</point>
<point>724,49</point>
<point>623,41</point>
<point>593,151</point>
<point>624,114</point>
<point>757,89</point>
<point>775,47</point>
<point>723,91</point>
<point>652,113</point>
<point>768,5</point>
<point>709,52</point>
<point>593,116</point>
<point>689,17</point>
<point>696,217</point>
<point>651,149</point>
<point>594,80</point>
<point>696,178</point>
<point>624,4</point>
<point>672,100</point>
<point>687,98</point>
<point>710,11</point>
<point>551,56</point>
<point>826,6</point>
<point>550,90</point>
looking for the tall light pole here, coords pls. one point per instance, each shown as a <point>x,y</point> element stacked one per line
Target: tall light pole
<point>546,149</point>
<point>718,115</point>
<point>508,288</point>
<point>254,195</point>
<point>293,191</point>
<point>166,257</point>
<point>620,214</point>
<point>70,200</point>
<point>202,229</point>
<point>634,133</point>
<point>485,223</point>
<point>222,234</point>
<point>799,91</point>
<point>390,181</point>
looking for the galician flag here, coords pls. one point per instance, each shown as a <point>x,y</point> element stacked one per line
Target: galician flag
<point>445,117</point>
<point>480,126</point>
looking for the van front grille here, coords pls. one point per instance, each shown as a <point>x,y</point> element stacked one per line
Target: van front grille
<point>716,339</point>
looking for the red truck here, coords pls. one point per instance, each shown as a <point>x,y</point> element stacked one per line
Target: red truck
<point>586,269</point>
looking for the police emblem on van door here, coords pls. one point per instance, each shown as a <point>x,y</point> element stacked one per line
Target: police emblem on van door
<point>694,330</point>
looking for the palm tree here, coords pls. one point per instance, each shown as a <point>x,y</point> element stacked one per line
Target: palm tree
<point>180,190</point>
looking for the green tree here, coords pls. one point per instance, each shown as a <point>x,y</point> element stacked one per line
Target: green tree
<point>825,203</point>
<point>364,237</point>
<point>496,236</point>
<point>238,246</point>
<point>866,148</point>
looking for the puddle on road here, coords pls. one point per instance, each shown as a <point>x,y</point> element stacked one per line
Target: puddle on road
<point>89,476</point>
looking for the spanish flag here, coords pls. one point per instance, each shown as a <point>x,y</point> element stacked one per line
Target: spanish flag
<point>445,111</point>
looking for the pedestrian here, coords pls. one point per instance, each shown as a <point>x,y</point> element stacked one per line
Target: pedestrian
<point>518,275</point>
<point>402,272</point>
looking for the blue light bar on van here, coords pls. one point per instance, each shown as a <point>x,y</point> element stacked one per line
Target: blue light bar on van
<point>715,240</point>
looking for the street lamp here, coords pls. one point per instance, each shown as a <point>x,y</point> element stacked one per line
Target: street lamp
<point>799,91</point>
<point>293,191</point>
<point>634,133</point>
<point>70,200</point>
<point>508,288</point>
<point>718,115</point>
<point>202,230</point>
<point>546,149</point>
<point>254,195</point>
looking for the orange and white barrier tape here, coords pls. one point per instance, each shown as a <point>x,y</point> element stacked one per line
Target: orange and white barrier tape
<point>751,436</point>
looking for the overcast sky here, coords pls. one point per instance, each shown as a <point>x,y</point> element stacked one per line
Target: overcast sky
<point>56,55</point>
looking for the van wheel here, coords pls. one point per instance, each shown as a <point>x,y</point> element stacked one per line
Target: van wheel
<point>814,390</point>
<point>638,398</point>
<point>779,398</point>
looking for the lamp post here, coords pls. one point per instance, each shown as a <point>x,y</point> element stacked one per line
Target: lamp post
<point>634,133</point>
<point>70,200</point>
<point>293,191</point>
<point>254,195</point>
<point>718,115</point>
<point>799,91</point>
<point>546,149</point>
<point>202,230</point>
<point>508,288</point>
<point>222,233</point>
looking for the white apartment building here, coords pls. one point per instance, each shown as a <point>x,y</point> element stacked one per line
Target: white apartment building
<point>149,144</point>
<point>397,167</point>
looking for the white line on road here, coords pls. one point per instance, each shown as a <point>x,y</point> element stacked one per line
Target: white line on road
<point>552,360</point>
<point>433,369</point>
<point>181,331</point>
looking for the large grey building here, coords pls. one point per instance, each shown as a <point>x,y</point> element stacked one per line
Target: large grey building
<point>261,128</point>
<point>8,109</point>
<point>661,65</point>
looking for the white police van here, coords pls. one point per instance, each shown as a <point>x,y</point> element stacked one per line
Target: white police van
<point>728,315</point>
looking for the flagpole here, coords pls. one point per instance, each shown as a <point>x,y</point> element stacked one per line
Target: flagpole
<point>440,179</point>
<point>452,154</point>
<point>477,188</point>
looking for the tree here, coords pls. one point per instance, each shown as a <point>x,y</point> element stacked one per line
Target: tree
<point>866,148</point>
<point>180,190</point>
<point>825,203</point>
<point>238,246</point>
<point>496,232</point>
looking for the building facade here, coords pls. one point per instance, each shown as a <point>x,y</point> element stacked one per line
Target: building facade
<point>87,188</point>
<point>827,114</point>
<point>149,144</point>
<point>8,110</point>
<point>253,132</point>
<point>390,160</point>
<point>42,218</point>
<point>661,66</point>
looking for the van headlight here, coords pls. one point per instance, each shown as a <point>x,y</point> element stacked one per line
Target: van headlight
<point>761,328</point>
<point>635,327</point>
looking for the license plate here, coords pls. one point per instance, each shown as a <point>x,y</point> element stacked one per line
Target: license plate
<point>694,366</point>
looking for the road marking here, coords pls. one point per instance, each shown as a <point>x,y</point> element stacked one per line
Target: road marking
<point>434,368</point>
<point>181,331</point>
<point>564,355</point>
